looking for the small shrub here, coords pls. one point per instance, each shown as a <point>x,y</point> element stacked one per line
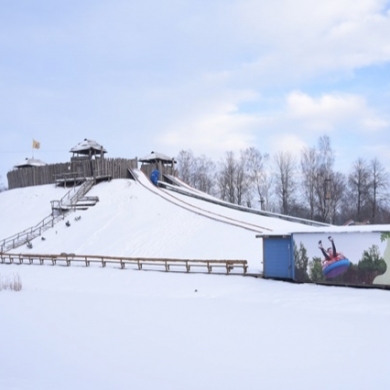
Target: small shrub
<point>13,283</point>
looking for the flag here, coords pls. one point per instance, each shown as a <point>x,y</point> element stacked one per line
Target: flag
<point>36,144</point>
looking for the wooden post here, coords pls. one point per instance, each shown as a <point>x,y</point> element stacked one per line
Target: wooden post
<point>160,168</point>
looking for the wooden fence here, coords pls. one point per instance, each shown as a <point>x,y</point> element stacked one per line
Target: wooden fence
<point>140,263</point>
<point>115,168</point>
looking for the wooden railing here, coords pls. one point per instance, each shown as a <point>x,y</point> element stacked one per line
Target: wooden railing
<point>68,201</point>
<point>77,177</point>
<point>68,176</point>
<point>28,234</point>
<point>166,264</point>
<point>84,188</point>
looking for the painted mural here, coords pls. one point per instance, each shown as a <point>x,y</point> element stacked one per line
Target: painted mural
<point>342,258</point>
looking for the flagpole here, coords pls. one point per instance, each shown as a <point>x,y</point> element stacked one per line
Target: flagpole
<point>33,149</point>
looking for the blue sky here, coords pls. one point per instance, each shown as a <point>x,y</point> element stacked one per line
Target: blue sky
<point>210,76</point>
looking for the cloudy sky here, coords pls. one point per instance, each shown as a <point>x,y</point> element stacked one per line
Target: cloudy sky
<point>210,76</point>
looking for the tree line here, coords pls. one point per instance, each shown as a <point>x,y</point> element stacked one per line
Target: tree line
<point>306,186</point>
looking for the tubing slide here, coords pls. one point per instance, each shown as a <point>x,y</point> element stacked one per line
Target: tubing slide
<point>184,189</point>
<point>141,178</point>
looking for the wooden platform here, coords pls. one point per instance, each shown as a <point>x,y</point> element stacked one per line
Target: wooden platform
<point>72,180</point>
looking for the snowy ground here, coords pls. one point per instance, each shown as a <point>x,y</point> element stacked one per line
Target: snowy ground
<point>94,328</point>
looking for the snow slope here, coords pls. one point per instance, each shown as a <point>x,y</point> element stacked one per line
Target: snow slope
<point>150,222</point>
<point>23,208</point>
<point>129,220</point>
<point>108,328</point>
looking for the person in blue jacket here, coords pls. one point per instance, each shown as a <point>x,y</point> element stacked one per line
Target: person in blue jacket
<point>155,176</point>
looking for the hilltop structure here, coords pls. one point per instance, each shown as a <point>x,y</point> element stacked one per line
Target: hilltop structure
<point>87,149</point>
<point>87,161</point>
<point>157,161</point>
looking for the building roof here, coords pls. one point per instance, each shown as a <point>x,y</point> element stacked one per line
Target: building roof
<point>85,146</point>
<point>30,162</point>
<point>329,229</point>
<point>155,157</point>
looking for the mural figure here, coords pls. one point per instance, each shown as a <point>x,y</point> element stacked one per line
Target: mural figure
<point>335,263</point>
<point>385,278</point>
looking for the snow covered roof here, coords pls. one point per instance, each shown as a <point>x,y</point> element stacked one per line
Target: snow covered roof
<point>329,229</point>
<point>30,162</point>
<point>156,156</point>
<point>85,146</point>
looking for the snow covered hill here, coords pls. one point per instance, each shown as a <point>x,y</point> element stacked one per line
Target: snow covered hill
<point>108,328</point>
<point>131,219</point>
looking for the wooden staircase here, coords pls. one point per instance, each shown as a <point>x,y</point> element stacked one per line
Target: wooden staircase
<point>76,200</point>
<point>73,200</point>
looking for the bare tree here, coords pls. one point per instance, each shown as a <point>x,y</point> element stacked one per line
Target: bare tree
<point>285,185</point>
<point>232,179</point>
<point>324,178</point>
<point>204,174</point>
<point>328,195</point>
<point>226,176</point>
<point>241,181</point>
<point>309,169</point>
<point>185,166</point>
<point>258,179</point>
<point>378,185</point>
<point>358,183</point>
<point>198,172</point>
<point>266,188</point>
<point>336,191</point>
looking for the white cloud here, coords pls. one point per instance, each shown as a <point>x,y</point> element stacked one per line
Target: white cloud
<point>213,133</point>
<point>328,112</point>
<point>208,117</point>
<point>292,41</point>
<point>375,124</point>
<point>286,142</point>
<point>215,124</point>
<point>177,75</point>
<point>380,151</point>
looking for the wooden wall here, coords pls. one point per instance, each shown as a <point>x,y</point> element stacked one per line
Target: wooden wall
<point>117,168</point>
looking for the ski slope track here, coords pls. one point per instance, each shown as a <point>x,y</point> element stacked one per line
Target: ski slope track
<point>184,189</point>
<point>145,182</point>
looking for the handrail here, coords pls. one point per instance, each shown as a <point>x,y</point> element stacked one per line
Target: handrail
<point>49,221</point>
<point>45,221</point>
<point>64,175</point>
<point>68,200</point>
<point>29,231</point>
<point>29,234</point>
